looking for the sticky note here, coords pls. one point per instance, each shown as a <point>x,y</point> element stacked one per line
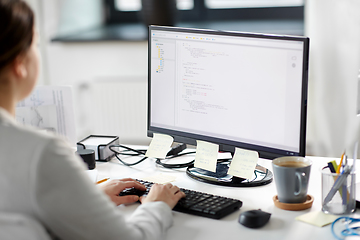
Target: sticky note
<point>206,155</point>
<point>159,146</point>
<point>160,178</point>
<point>318,218</point>
<point>243,163</point>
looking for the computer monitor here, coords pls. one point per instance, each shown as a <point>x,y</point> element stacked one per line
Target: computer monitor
<point>234,89</point>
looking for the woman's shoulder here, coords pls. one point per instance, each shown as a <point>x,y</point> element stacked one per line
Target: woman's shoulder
<point>32,133</point>
<point>30,145</point>
<point>11,129</point>
<point>47,148</point>
<point>29,136</point>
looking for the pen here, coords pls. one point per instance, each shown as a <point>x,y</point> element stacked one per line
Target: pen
<point>103,180</point>
<point>338,183</point>
<point>344,193</point>
<point>332,167</point>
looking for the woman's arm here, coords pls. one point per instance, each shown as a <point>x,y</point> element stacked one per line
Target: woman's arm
<point>69,204</point>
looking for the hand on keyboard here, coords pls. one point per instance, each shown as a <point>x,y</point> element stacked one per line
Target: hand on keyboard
<point>167,193</point>
<point>195,203</point>
<point>113,187</point>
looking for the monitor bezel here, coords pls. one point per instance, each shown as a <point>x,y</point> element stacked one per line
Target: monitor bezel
<point>228,145</point>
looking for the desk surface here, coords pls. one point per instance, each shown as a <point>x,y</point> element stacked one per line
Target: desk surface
<point>282,224</point>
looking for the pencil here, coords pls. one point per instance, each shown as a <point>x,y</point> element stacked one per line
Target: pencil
<point>341,160</point>
<point>103,180</point>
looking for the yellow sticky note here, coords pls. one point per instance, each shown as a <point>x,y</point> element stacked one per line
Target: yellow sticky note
<point>318,218</point>
<point>160,178</point>
<point>206,155</point>
<point>243,163</point>
<point>159,146</point>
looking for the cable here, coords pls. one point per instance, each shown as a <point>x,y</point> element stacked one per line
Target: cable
<point>136,153</point>
<point>139,152</point>
<point>173,153</point>
<point>177,149</point>
<point>176,165</point>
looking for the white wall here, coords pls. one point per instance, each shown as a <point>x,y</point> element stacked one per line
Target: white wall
<point>71,63</point>
<point>334,30</point>
<point>36,6</point>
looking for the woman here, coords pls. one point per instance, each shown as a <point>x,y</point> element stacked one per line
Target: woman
<point>41,177</point>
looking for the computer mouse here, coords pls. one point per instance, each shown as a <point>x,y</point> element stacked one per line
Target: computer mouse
<point>254,218</point>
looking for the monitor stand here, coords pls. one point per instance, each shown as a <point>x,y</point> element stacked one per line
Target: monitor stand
<point>261,176</point>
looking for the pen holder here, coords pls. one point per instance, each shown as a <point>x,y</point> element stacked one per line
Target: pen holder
<point>338,192</point>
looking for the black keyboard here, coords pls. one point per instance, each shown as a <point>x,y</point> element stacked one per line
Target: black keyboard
<point>196,203</point>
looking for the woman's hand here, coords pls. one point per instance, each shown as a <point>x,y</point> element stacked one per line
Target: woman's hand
<point>167,193</point>
<point>114,187</point>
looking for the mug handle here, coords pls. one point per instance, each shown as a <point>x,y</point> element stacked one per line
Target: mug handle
<point>300,177</point>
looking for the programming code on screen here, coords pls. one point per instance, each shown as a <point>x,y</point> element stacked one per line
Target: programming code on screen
<point>227,87</point>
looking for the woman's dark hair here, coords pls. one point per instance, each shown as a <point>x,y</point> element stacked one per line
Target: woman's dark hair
<point>16,30</point>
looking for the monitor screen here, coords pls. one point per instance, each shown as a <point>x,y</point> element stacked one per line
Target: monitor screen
<point>233,89</point>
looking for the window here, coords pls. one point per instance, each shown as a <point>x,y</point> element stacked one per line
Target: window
<point>128,5</point>
<point>125,11</point>
<point>221,4</point>
<point>135,5</point>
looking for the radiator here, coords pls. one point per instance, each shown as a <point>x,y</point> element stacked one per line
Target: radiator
<point>114,107</point>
